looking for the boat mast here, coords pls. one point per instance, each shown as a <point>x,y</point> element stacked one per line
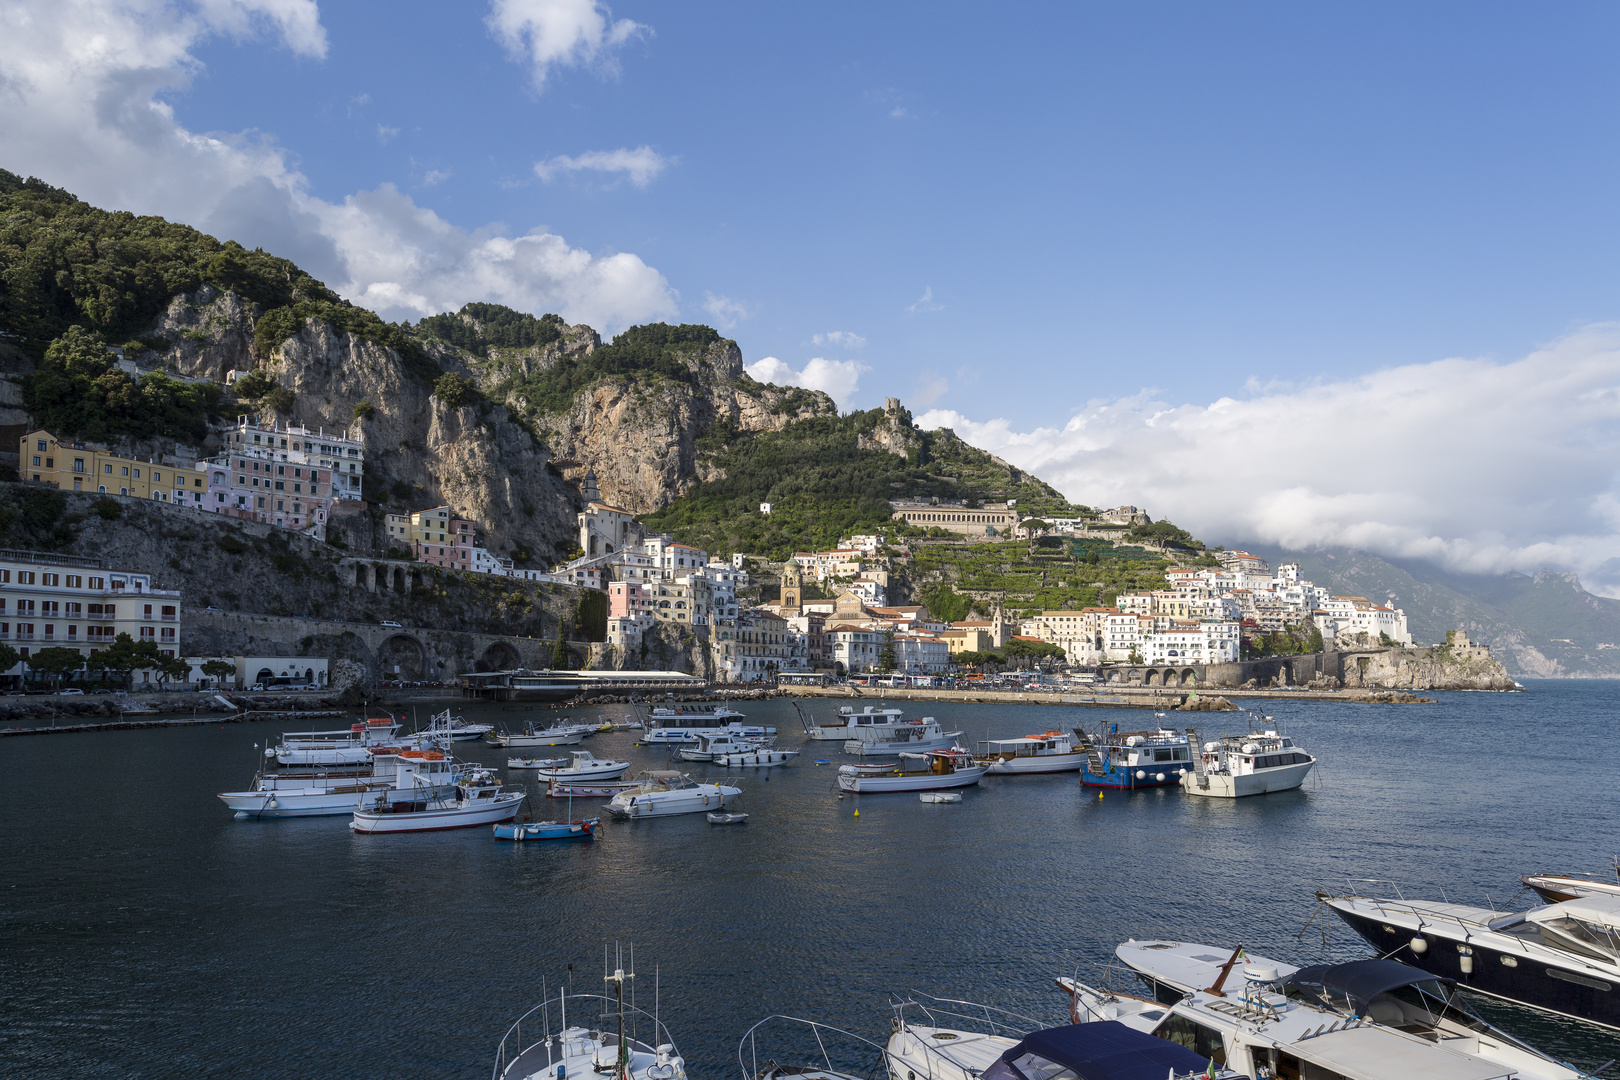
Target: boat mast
<point>622,1072</point>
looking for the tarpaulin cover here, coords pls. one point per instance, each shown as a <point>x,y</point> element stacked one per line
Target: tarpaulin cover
<point>1360,980</point>
<point>1101,1050</point>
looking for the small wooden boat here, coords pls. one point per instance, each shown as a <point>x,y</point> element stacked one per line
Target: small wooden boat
<point>548,830</point>
<point>728,819</point>
<point>940,797</point>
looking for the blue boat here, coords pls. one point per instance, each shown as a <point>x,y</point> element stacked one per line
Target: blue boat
<point>547,830</point>
<point>1128,760</point>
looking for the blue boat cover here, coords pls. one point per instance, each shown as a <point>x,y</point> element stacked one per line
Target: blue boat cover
<point>1100,1050</point>
<point>1362,980</point>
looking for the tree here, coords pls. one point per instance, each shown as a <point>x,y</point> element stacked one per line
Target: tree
<point>1032,650</point>
<point>1135,656</point>
<point>57,661</point>
<point>559,651</point>
<point>218,669</point>
<point>125,655</point>
<point>9,657</point>
<point>454,390</point>
<point>886,654</point>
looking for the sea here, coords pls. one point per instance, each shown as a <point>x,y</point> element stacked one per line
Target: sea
<point>146,933</point>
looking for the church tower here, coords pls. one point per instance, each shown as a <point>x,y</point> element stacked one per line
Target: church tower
<point>792,588</point>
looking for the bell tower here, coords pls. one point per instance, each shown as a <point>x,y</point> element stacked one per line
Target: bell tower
<point>792,588</point>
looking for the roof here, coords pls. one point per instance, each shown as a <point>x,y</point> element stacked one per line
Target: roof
<point>1359,980</point>
<point>1102,1050</point>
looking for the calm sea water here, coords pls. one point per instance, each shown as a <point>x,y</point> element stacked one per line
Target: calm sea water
<point>146,933</point>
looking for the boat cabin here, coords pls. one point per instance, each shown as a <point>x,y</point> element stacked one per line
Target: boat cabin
<point>1048,744</point>
<point>1588,927</point>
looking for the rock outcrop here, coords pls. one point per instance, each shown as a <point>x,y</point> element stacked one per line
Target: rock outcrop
<point>1435,667</point>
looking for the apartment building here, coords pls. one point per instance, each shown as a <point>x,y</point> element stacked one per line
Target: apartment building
<point>1348,616</point>
<point>79,466</point>
<point>341,457</point>
<point>440,538</point>
<point>49,600</point>
<point>855,647</point>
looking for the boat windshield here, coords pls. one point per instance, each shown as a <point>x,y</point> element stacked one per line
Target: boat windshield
<point>1583,936</point>
<point>1554,937</point>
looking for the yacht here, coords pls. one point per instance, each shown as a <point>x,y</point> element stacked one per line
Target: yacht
<point>915,737</point>
<point>444,727</point>
<point>1134,759</point>
<point>933,771</point>
<point>713,744</point>
<point>1554,888</point>
<point>561,1050</point>
<point>398,775</point>
<point>1563,957</point>
<point>1318,1022</point>
<point>1050,752</point>
<point>563,734</point>
<point>478,800</point>
<point>847,723</point>
<point>664,793</point>
<point>348,747</point>
<point>939,1039</point>
<point>679,725</point>
<point>1253,764</point>
<point>581,766</point>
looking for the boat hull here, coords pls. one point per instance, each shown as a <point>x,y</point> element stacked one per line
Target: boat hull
<point>874,785</point>
<point>1227,786</point>
<point>1124,778</point>
<point>547,830</point>
<point>567,738</point>
<point>877,748</point>
<point>1050,763</point>
<point>1556,888</point>
<point>481,812</point>
<point>601,789</point>
<point>581,776</point>
<point>293,802</point>
<point>694,800</point>
<point>765,758</point>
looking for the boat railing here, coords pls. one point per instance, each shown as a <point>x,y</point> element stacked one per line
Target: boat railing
<point>1000,1021</point>
<point>875,1055</point>
<point>512,1045</point>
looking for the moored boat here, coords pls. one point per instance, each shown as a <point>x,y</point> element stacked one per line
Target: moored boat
<point>848,722</point>
<point>931,771</point>
<point>397,775</point>
<point>933,1039</point>
<point>728,819</point>
<point>479,800</point>
<point>665,793</point>
<point>1052,751</point>
<point>1236,766</point>
<point>709,745</point>
<point>344,747</point>
<point>940,797</point>
<point>583,829</point>
<point>766,756</point>
<point>558,735</point>
<point>915,737</point>
<point>682,726</point>
<point>1128,760</point>
<point>1556,888</point>
<point>588,789</point>
<point>581,766</point>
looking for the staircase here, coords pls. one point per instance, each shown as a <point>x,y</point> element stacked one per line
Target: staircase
<point>1197,747</point>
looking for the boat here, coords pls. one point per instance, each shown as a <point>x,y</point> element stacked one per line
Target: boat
<point>940,797</point>
<point>1563,958</point>
<point>1555,888</point>
<point>664,793</point>
<point>1049,752</point>
<point>584,829</point>
<point>443,727</point>
<point>557,735</point>
<point>847,721</point>
<point>479,800</point>
<point>682,726</point>
<point>352,746</point>
<point>588,789</point>
<point>709,744</point>
<point>1235,766</point>
<point>581,766</point>
<point>401,775</point>
<point>931,771</point>
<point>1105,1050</point>
<point>921,1044</point>
<point>728,819</point>
<point>1364,1020</point>
<point>766,756</point>
<point>1129,760</point>
<point>560,1050</point>
<point>857,1053</point>
<point>914,737</point>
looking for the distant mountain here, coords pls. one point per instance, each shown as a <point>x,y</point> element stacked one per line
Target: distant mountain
<point>1544,625</point>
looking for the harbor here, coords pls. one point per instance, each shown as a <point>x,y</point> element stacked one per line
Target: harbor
<point>827,904</point>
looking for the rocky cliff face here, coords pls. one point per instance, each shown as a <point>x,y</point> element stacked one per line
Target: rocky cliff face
<point>1437,667</point>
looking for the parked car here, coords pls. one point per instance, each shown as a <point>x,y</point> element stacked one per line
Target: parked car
<point>75,692</point>
<point>390,622</point>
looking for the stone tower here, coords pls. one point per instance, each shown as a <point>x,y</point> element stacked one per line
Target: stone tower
<point>588,489</point>
<point>792,588</point>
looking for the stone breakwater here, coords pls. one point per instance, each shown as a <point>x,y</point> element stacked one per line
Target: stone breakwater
<point>1109,698</point>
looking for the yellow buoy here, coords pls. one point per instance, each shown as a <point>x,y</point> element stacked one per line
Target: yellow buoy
<point>1099,794</point>
<point>857,813</point>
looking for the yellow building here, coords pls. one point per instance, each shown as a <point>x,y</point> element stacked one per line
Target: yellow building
<point>77,466</point>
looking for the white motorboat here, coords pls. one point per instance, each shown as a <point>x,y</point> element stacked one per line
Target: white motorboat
<point>519,764</point>
<point>443,728</point>
<point>1556,888</point>
<point>1563,957</point>
<point>583,766</point>
<point>728,819</point>
<point>848,722</point>
<point>940,797</point>
<point>588,789</point>
<point>565,1052</point>
<point>711,745</point>
<point>765,756</point>
<point>664,793</point>
<point>348,747</point>
<point>1365,1020</point>
<point>1253,764</point>
<point>682,726</point>
<point>922,1045</point>
<point>915,737</point>
<point>401,775</point>
<point>479,800</point>
<point>557,735</point>
<point>932,771</point>
<point>1050,752</point>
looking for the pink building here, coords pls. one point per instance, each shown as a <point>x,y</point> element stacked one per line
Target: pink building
<point>629,600</point>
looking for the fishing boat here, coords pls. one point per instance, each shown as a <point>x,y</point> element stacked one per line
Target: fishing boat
<point>584,829</point>
<point>930,771</point>
<point>1049,752</point>
<point>1235,766</point>
<point>1364,1020</point>
<point>914,738</point>
<point>398,775</point>
<point>728,819</point>
<point>1128,760</point>
<point>352,746</point>
<point>681,726</point>
<point>711,744</point>
<point>560,1051</point>
<point>765,756</point>
<point>1563,957</point>
<point>581,766</point>
<point>478,800</point>
<point>847,722</point>
<point>588,789</point>
<point>562,734</point>
<point>665,793</point>
<point>1556,888</point>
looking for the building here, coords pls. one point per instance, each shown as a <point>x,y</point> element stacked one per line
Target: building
<point>853,647</point>
<point>1350,616</point>
<point>672,601</point>
<point>291,672</point>
<point>1081,634</point>
<point>964,638</point>
<point>630,600</point>
<point>756,647</point>
<point>811,627</point>
<point>1241,562</point>
<point>919,652</point>
<point>78,466</point>
<point>340,457</point>
<point>672,559</point>
<point>440,538</point>
<point>792,601</point>
<point>1191,643</point>
<point>981,523</point>
<point>604,529</point>
<point>49,600</point>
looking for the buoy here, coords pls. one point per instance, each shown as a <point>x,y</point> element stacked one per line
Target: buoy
<point>1420,945</point>
<point>1141,774</point>
<point>1099,795</point>
<point>857,813</point>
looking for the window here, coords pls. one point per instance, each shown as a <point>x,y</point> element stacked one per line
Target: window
<point>41,446</point>
<point>52,579</point>
<point>25,577</point>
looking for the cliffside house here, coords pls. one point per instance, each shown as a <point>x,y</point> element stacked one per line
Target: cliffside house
<point>80,466</point>
<point>983,523</point>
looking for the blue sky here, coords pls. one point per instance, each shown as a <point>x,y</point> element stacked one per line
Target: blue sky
<point>1057,228</point>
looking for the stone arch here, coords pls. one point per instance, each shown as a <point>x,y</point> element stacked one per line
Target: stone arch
<point>415,579</point>
<point>402,655</point>
<point>1150,677</point>
<point>500,656</point>
<point>1116,676</point>
<point>1189,677</point>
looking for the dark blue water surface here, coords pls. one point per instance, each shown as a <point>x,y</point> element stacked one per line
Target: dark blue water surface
<point>146,933</point>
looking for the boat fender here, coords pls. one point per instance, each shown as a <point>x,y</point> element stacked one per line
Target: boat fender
<point>1420,944</point>
<point>1466,960</point>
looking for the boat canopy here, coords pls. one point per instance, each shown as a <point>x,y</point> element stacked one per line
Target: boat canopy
<point>1359,981</point>
<point>1101,1050</point>
<point>1598,910</point>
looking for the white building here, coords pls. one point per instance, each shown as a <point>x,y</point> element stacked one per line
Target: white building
<point>855,647</point>
<point>291,672</point>
<point>1344,617</point>
<point>1192,643</point>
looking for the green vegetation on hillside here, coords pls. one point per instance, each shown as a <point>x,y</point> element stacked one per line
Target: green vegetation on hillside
<point>476,327</point>
<point>1026,583</point>
<point>78,392</point>
<point>648,353</point>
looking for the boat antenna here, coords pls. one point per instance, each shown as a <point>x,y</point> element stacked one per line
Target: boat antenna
<point>562,995</point>
<point>622,1072</point>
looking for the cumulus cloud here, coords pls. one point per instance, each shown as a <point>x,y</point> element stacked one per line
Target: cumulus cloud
<point>839,379</point>
<point>725,311</point>
<point>925,302</point>
<point>82,108</point>
<point>641,165</point>
<point>547,34</point>
<point>841,338</point>
<point>1477,465</point>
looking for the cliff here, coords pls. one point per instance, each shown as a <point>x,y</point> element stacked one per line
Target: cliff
<point>1434,667</point>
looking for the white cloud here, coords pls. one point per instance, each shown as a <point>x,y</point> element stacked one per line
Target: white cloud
<point>81,109</point>
<point>547,34</point>
<point>641,165</point>
<point>837,378</point>
<point>386,134</point>
<point>1477,465</point>
<point>434,177</point>
<point>925,302</point>
<point>841,338</point>
<point>725,311</point>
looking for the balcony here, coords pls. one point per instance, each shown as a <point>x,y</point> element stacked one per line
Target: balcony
<point>170,618</point>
